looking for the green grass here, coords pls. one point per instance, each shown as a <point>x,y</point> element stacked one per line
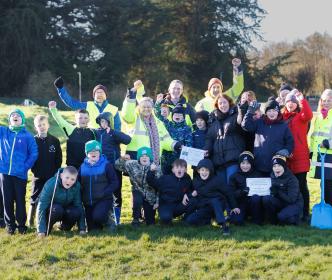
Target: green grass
<point>178,252</point>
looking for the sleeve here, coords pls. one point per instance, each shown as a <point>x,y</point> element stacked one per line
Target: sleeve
<point>293,191</point>
<point>117,122</point>
<point>306,112</point>
<point>199,106</point>
<point>192,113</point>
<point>209,139</point>
<point>58,157</point>
<point>32,153</point>
<point>249,124</point>
<point>189,142</point>
<point>122,138</point>
<point>62,123</point>
<point>78,203</point>
<point>152,180</point>
<point>43,204</point>
<point>311,139</point>
<point>237,87</point>
<point>288,140</point>
<point>233,185</point>
<point>69,101</point>
<point>167,143</point>
<point>113,181</point>
<point>120,165</point>
<point>157,111</point>
<point>229,193</point>
<point>128,110</point>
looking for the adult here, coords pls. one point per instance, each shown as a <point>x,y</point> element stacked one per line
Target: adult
<point>95,107</point>
<point>322,136</point>
<point>225,138</point>
<point>145,129</point>
<point>215,87</point>
<point>285,88</point>
<point>297,114</point>
<point>175,97</point>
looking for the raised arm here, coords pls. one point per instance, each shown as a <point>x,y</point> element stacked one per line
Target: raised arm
<point>238,80</point>
<point>62,123</point>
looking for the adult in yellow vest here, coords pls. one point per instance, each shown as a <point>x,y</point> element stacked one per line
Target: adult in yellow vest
<point>215,87</point>
<point>95,107</point>
<point>145,129</point>
<point>322,135</point>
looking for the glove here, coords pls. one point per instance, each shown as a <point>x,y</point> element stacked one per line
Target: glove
<point>326,144</point>
<point>243,108</point>
<point>274,190</point>
<point>310,155</point>
<point>283,152</point>
<point>178,146</point>
<point>246,190</point>
<point>253,106</point>
<point>131,93</point>
<point>58,83</point>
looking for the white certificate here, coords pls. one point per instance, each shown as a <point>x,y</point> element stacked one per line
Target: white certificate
<point>259,186</point>
<point>191,155</point>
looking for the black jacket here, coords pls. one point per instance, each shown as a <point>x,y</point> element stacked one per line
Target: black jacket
<point>170,188</point>
<point>225,138</point>
<point>49,157</point>
<point>212,188</point>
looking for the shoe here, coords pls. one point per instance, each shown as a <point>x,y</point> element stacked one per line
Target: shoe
<point>135,223</point>
<point>225,229</point>
<point>22,230</point>
<point>10,231</point>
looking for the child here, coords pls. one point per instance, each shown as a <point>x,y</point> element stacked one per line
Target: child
<point>179,131</point>
<point>164,111</point>
<point>98,179</point>
<point>200,131</point>
<point>143,194</point>
<point>173,191</point>
<point>18,153</point>
<point>272,135</point>
<point>48,162</point>
<point>66,203</point>
<point>77,135</point>
<point>238,182</point>
<point>212,197</point>
<point>285,204</point>
<point>110,140</point>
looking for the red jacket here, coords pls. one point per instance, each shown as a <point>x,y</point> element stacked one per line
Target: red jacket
<point>298,123</point>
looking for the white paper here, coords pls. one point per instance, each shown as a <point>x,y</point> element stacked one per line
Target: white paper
<point>259,186</point>
<point>191,155</point>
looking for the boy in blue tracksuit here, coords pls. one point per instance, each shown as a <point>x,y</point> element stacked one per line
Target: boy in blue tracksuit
<point>98,180</point>
<point>18,153</point>
<point>110,141</point>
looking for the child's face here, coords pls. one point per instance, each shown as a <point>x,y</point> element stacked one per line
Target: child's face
<point>200,123</point>
<point>291,106</point>
<point>82,120</point>
<point>204,173</point>
<point>100,96</point>
<point>245,166</point>
<point>272,114</point>
<point>15,119</point>
<point>278,170</point>
<point>223,105</point>
<point>93,156</point>
<point>215,89</point>
<point>103,124</point>
<point>42,127</point>
<point>179,171</point>
<point>144,160</point>
<point>68,179</point>
<point>164,111</point>
<point>177,117</point>
<point>257,115</point>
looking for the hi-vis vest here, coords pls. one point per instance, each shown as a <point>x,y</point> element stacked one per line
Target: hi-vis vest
<point>322,129</point>
<point>94,112</point>
<point>138,132</point>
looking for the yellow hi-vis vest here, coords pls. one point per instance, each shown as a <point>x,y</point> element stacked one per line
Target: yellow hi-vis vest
<point>322,129</point>
<point>92,108</point>
<point>138,132</point>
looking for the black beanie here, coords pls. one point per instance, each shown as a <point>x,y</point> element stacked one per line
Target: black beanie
<point>285,86</point>
<point>277,159</point>
<point>204,115</point>
<point>207,164</point>
<point>272,104</point>
<point>179,109</point>
<point>246,155</point>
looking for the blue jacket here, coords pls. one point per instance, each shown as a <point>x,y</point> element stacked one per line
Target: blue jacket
<point>179,131</point>
<point>199,137</point>
<point>269,139</point>
<point>18,152</point>
<point>110,143</point>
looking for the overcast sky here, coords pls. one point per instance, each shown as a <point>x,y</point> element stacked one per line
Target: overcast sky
<point>294,19</point>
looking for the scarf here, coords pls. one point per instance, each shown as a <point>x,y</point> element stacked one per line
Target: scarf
<point>151,126</point>
<point>324,113</point>
<point>16,129</point>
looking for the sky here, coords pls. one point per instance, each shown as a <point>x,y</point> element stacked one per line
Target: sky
<point>289,20</point>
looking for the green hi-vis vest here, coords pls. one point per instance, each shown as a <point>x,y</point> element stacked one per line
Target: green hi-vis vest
<point>94,112</point>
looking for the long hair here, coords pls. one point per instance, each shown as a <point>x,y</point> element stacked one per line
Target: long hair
<point>326,92</point>
<point>222,95</point>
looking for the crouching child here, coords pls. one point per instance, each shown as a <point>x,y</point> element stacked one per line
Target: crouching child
<point>174,190</point>
<point>212,198</point>
<point>144,196</point>
<point>60,201</point>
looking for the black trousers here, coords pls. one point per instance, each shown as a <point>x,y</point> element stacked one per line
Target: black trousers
<point>139,202</point>
<point>302,178</point>
<point>328,191</point>
<point>118,193</point>
<point>68,216</point>
<point>13,191</point>
<point>37,185</point>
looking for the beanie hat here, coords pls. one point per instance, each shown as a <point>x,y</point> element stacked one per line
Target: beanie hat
<point>107,116</point>
<point>179,109</point>
<point>278,159</point>
<point>285,86</point>
<point>92,145</point>
<point>99,87</point>
<point>291,97</point>
<point>215,81</point>
<point>246,155</point>
<point>207,164</point>
<point>204,115</point>
<point>272,104</point>
<point>144,151</point>
<point>18,111</point>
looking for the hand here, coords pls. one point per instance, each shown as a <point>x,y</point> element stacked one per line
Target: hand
<point>194,193</point>
<point>138,85</point>
<point>299,95</point>
<point>131,93</point>
<point>160,97</point>
<point>41,235</point>
<point>185,200</point>
<point>325,144</point>
<point>236,62</point>
<point>153,167</point>
<point>82,232</point>
<point>178,146</point>
<point>58,83</point>
<point>206,153</point>
<point>155,206</point>
<point>52,105</point>
<point>236,211</point>
<point>126,157</point>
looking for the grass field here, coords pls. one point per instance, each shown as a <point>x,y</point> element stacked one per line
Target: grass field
<point>178,252</point>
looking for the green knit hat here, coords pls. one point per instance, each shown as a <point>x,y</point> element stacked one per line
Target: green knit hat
<point>144,151</point>
<point>18,111</point>
<point>92,145</point>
